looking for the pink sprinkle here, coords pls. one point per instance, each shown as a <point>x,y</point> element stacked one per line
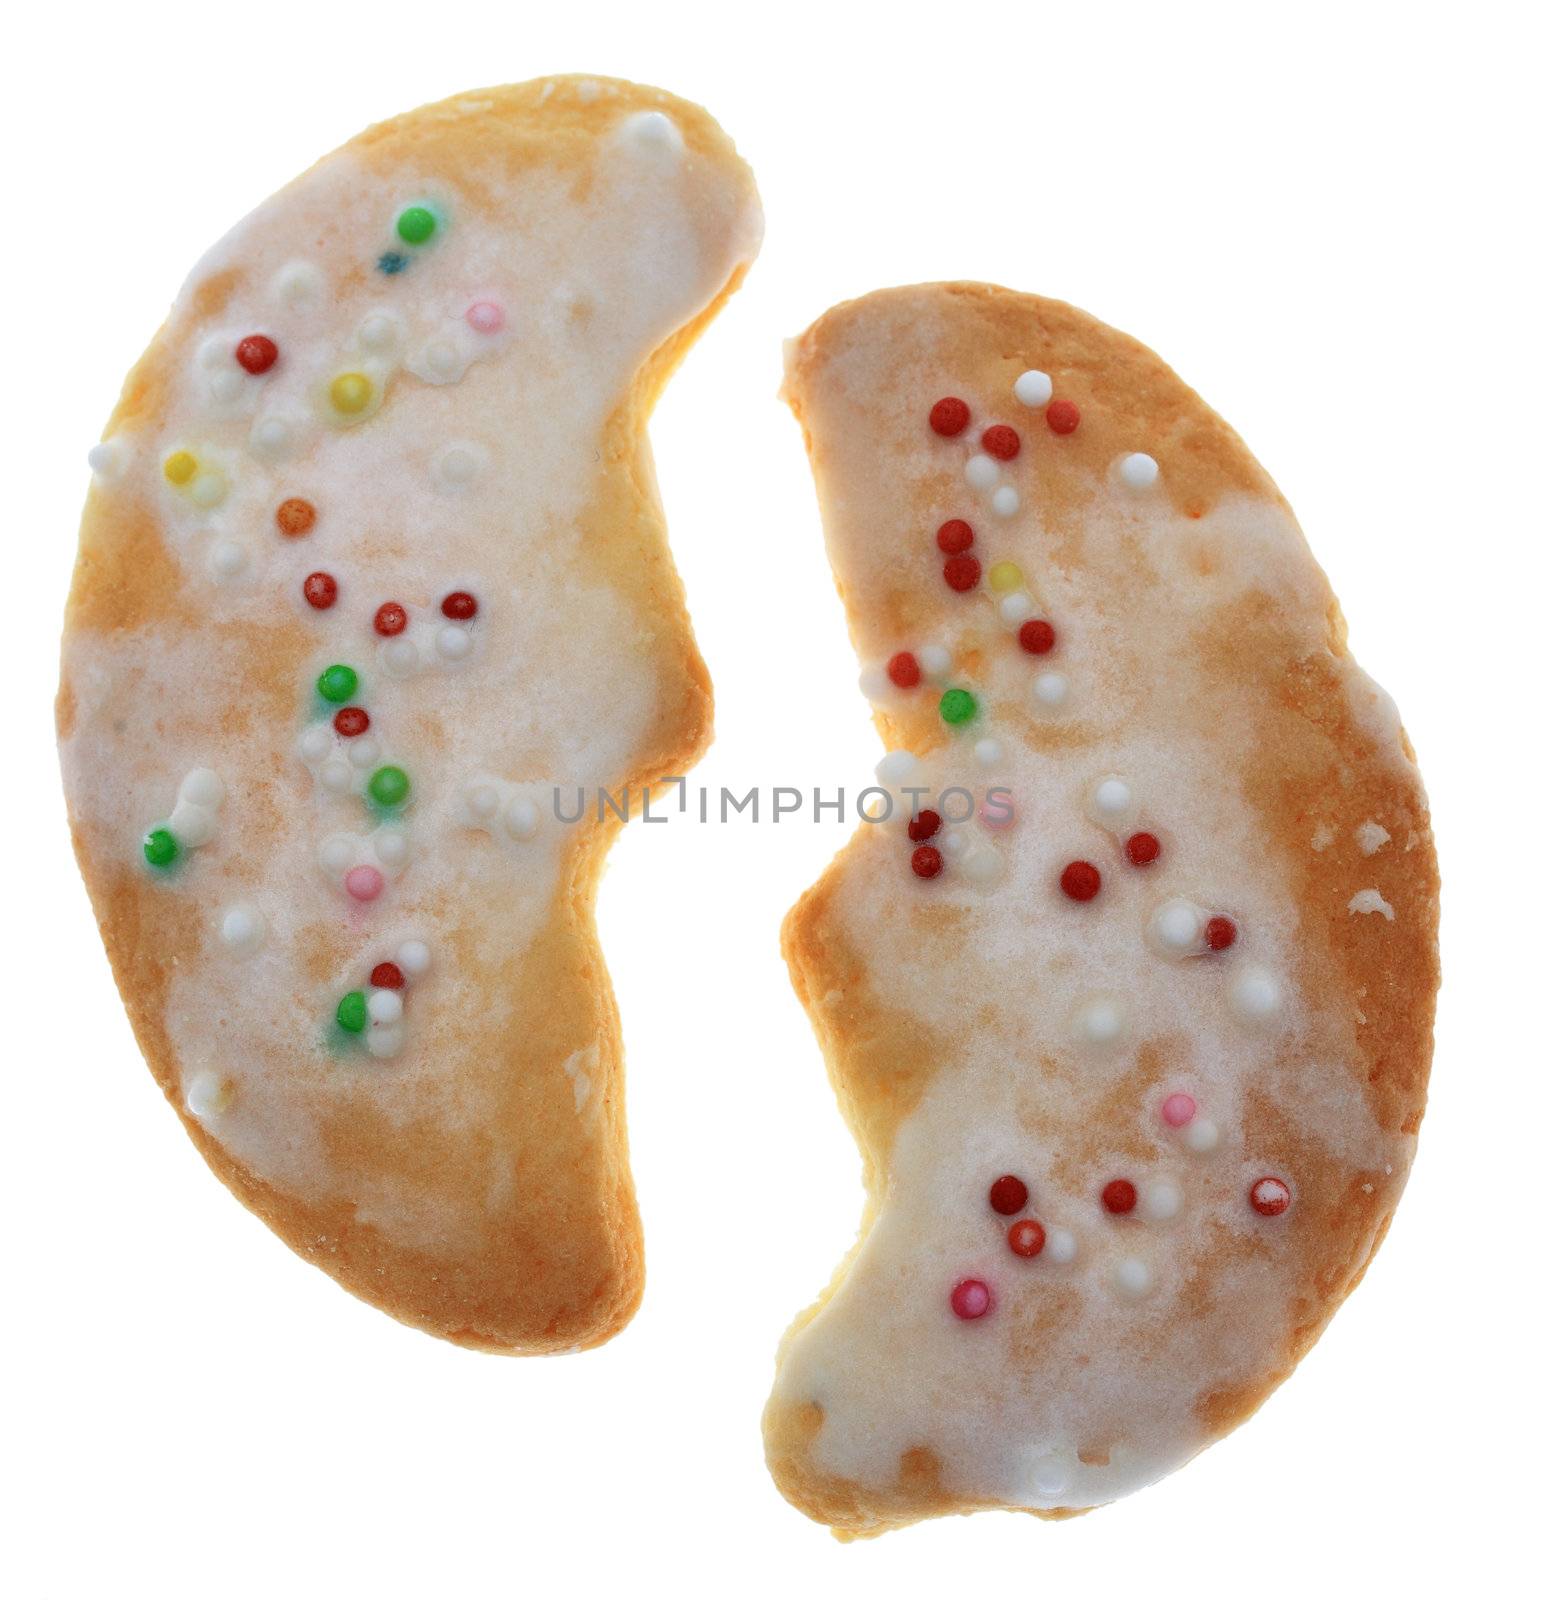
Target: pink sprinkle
<point>1178,1110</point>
<point>365,883</point>
<point>485,317</point>
<point>971,1299</point>
<point>998,814</point>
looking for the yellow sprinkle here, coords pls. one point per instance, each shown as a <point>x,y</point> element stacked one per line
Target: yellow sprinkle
<point>180,467</point>
<point>1006,576</point>
<point>350,393</point>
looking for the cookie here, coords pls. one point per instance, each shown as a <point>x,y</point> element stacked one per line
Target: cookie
<point>1128,997</point>
<point>373,595</point>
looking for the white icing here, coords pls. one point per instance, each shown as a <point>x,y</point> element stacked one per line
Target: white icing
<point>1371,900</point>
<point>1371,836</point>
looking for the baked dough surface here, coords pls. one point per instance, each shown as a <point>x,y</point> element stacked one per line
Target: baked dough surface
<point>471,310</point>
<point>983,1024</point>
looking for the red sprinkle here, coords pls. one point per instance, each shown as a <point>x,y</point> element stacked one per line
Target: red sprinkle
<point>256,353</point>
<point>1269,1197</point>
<point>971,1299</point>
<point>1221,933</point>
<point>459,606</point>
<point>1037,637</point>
<point>949,417</point>
<point>1063,416</point>
<point>387,976</point>
<point>1026,1238</point>
<point>961,572</point>
<point>390,619</point>
<point>1119,1197</point>
<point>924,825</point>
<point>954,537</point>
<point>319,589</point>
<point>926,861</point>
<point>1080,880</point>
<point>904,670</point>
<point>1001,441</point>
<point>1009,1195</point>
<point>351,721</point>
<point>1142,849</point>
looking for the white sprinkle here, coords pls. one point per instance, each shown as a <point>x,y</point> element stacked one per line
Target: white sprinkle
<point>936,660</point>
<point>363,751</point>
<point>982,865</point>
<point>898,769</point>
<point>1254,994</point>
<point>1113,801</point>
<point>459,464</point>
<point>384,1005</point>
<point>453,642</point>
<point>875,685</point>
<point>651,132</point>
<point>981,472</point>
<point>314,743</point>
<point>401,657</point>
<point>392,847</point>
<point>378,332</point>
<point>214,353</point>
<point>988,752</point>
<point>337,853</point>
<point>413,958</point>
<point>1371,836</point>
<point>336,775</point>
<point>385,1040</point>
<point>272,437</point>
<point>108,459</point>
<point>1005,501</point>
<point>952,843</point>
<point>208,489</point>
<point>1099,1022</point>
<point>1060,1246</point>
<point>1033,388</point>
<point>1050,689</point>
<point>202,787</point>
<point>1132,1277</point>
<point>300,286</point>
<point>1177,926</point>
<point>192,825</point>
<point>1139,471</point>
<point>1202,1135</point>
<point>207,1096</point>
<point>522,818</point>
<point>1050,1475</point>
<point>227,558</point>
<point>1161,1199</point>
<point>226,384</point>
<point>442,361</point>
<point>1015,608</point>
<point>1368,900</point>
<point>482,800</point>
<point>243,929</point>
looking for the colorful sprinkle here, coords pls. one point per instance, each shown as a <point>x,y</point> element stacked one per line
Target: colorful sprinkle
<point>160,848</point>
<point>924,825</point>
<point>904,670</point>
<point>351,721</point>
<point>1063,416</point>
<point>350,393</point>
<point>954,537</point>
<point>1269,1197</point>
<point>1178,1109</point>
<point>1026,1238</point>
<point>390,619</point>
<point>926,861</point>
<point>949,417</point>
<point>1221,933</point>
<point>1009,1195</point>
<point>1001,441</point>
<point>387,976</point>
<point>416,224</point>
<point>256,353</point>
<point>971,1299</point>
<point>961,572</point>
<point>958,706</point>
<point>352,1011</point>
<point>485,317</point>
<point>389,786</point>
<point>1006,577</point>
<point>391,262</point>
<point>459,606</point>
<point>1142,849</point>
<point>336,683</point>
<point>180,467</point>
<point>1080,880</point>
<point>365,883</point>
<point>295,517</point>
<point>1037,637</point>
<point>1119,1197</point>
<point>319,589</point>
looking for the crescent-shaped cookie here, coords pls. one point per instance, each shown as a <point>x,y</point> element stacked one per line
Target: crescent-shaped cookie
<point>373,596</point>
<point>1128,1001</point>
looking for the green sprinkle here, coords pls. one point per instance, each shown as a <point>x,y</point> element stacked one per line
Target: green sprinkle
<point>416,224</point>
<point>958,705</point>
<point>389,786</point>
<point>337,683</point>
<point>352,1013</point>
<point>161,848</point>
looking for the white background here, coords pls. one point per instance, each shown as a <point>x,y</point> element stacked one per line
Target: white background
<point>1330,221</point>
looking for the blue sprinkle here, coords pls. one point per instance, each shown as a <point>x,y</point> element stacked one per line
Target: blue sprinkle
<point>391,262</point>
